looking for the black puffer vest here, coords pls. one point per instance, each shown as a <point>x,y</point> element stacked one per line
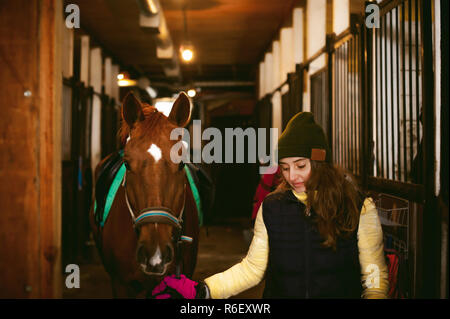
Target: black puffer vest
<point>298,266</point>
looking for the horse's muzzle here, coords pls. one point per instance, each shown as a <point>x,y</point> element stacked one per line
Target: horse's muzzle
<point>156,262</point>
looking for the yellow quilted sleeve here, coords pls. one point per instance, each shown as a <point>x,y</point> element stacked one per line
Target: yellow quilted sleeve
<point>249,272</point>
<point>374,272</point>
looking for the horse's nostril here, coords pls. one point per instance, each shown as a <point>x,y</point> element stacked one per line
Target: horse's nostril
<point>154,263</point>
<point>168,256</point>
<point>142,255</point>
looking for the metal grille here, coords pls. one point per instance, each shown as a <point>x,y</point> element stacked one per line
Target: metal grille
<point>397,94</point>
<point>346,113</point>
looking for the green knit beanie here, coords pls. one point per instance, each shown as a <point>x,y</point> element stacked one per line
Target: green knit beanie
<point>303,137</point>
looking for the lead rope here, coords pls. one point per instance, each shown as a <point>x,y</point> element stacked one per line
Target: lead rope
<point>180,241</point>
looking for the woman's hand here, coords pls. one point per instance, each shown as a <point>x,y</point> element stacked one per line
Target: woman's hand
<point>182,287</point>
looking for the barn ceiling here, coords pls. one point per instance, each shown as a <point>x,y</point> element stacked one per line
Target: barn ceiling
<point>229,36</point>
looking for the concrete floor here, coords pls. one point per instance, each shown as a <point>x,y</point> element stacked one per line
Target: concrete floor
<point>220,248</point>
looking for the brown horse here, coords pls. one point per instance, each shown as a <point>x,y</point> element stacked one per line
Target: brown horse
<point>153,207</point>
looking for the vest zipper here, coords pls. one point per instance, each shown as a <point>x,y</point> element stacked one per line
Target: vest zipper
<point>306,261</point>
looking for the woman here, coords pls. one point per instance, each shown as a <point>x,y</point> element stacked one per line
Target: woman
<point>315,236</point>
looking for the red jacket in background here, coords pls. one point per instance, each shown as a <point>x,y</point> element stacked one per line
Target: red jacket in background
<point>267,184</point>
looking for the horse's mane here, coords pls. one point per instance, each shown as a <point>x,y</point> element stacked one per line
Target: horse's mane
<point>152,117</point>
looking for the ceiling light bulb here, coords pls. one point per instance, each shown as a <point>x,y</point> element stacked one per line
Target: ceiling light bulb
<point>191,93</point>
<point>187,54</point>
<point>120,76</point>
<point>126,82</point>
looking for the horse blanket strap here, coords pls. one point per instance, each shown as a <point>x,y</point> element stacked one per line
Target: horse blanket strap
<point>107,174</point>
<point>196,194</point>
<point>111,195</point>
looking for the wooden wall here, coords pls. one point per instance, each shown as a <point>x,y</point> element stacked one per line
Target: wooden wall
<point>30,149</point>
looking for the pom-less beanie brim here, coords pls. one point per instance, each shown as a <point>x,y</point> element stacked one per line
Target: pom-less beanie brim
<point>303,137</point>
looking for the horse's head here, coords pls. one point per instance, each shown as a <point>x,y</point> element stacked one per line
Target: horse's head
<point>155,186</point>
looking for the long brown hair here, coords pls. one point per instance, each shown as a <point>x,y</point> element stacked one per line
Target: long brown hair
<point>334,196</point>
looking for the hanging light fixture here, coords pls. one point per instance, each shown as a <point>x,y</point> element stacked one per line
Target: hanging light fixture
<point>186,47</point>
<point>123,80</point>
<point>148,7</point>
<point>187,52</point>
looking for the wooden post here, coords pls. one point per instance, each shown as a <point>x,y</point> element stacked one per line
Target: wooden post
<point>30,148</point>
<point>50,90</point>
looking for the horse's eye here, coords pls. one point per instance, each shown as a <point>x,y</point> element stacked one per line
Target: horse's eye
<point>181,166</point>
<point>127,165</point>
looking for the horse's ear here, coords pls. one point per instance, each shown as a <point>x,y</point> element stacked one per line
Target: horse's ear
<point>132,110</point>
<point>181,110</point>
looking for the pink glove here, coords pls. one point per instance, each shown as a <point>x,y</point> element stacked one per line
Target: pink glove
<point>183,286</point>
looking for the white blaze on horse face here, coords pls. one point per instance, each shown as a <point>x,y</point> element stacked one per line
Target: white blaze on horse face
<point>128,138</point>
<point>157,258</point>
<point>154,151</point>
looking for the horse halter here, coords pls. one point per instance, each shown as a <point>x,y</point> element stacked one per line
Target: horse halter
<point>158,214</point>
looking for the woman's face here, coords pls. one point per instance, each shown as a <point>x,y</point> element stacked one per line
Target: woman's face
<point>296,171</point>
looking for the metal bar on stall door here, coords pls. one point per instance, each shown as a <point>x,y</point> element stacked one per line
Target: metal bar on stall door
<point>352,112</point>
<point>381,104</point>
<point>355,93</point>
<point>410,85</point>
<point>346,90</point>
<point>350,103</point>
<point>417,42</point>
<point>364,96</point>
<point>339,108</point>
<point>387,102</point>
<point>399,165</point>
<point>335,104</point>
<point>360,117</point>
<point>375,108</point>
<point>382,96</point>
<point>355,106</point>
<point>330,91</point>
<point>405,163</point>
<point>358,103</point>
<point>339,104</point>
<point>392,150</point>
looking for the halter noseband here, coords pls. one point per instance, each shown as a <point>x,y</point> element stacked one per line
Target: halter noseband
<point>162,215</point>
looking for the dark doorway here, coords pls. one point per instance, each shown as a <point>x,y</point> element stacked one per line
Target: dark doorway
<point>235,182</point>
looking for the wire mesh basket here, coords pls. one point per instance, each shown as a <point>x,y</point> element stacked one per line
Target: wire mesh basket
<point>394,217</point>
